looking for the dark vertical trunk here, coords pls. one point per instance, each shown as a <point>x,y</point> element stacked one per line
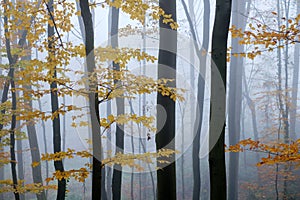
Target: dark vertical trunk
<point>10,81</point>
<point>117,173</point>
<point>166,177</point>
<point>1,167</point>
<point>58,165</point>
<point>12,138</point>
<point>235,98</point>
<point>219,53</point>
<point>93,99</point>
<point>82,31</point>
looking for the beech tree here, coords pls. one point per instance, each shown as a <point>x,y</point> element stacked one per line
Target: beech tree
<point>166,177</point>
<point>219,48</point>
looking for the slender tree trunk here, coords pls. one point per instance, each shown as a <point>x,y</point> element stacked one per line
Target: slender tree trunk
<point>217,152</point>
<point>280,96</point>
<point>1,150</point>
<point>286,101</point>
<point>117,172</point>
<point>200,93</point>
<point>33,143</point>
<point>109,112</point>
<point>45,145</point>
<point>10,81</point>
<point>58,165</point>
<point>20,162</point>
<point>35,156</point>
<point>12,139</point>
<point>235,98</point>
<point>166,177</point>
<point>295,87</point>
<point>93,99</point>
<point>44,137</point>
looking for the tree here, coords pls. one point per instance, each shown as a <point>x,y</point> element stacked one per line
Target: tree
<point>166,177</point>
<point>235,98</point>
<point>117,172</point>
<point>58,165</point>
<point>93,99</point>
<point>295,87</point>
<point>37,72</point>
<point>219,49</point>
<point>33,142</point>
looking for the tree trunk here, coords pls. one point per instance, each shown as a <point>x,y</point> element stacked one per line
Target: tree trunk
<point>10,81</point>
<point>295,87</point>
<point>12,139</point>
<point>45,145</point>
<point>93,99</point>
<point>117,172</point>
<point>235,98</point>
<point>20,162</point>
<point>166,177</point>
<point>58,165</point>
<point>109,112</point>
<point>33,143</point>
<point>1,150</point>
<point>219,53</point>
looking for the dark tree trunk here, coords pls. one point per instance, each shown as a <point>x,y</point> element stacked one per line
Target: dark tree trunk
<point>117,173</point>
<point>58,165</point>
<point>12,138</point>
<point>93,99</point>
<point>10,81</point>
<point>166,177</point>
<point>201,88</point>
<point>1,150</point>
<point>218,103</point>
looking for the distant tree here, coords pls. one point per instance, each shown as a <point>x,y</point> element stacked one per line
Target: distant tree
<point>235,97</point>
<point>117,173</point>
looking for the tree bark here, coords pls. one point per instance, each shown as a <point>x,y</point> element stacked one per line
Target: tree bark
<point>93,99</point>
<point>166,177</point>
<point>235,98</point>
<point>58,165</point>
<point>117,172</point>
<point>219,53</point>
